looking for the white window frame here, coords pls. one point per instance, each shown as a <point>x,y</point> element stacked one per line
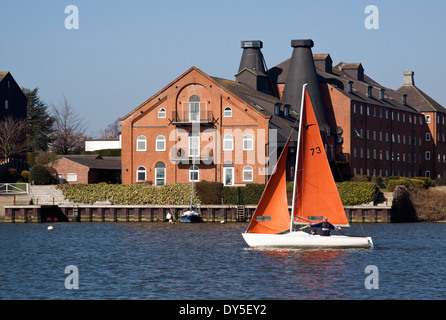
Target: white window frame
<point>141,139</point>
<point>138,171</point>
<point>161,113</point>
<point>195,172</point>
<point>194,114</point>
<point>162,177</point>
<point>194,144</point>
<point>246,171</point>
<point>71,177</point>
<point>248,142</point>
<point>225,169</point>
<point>162,141</point>
<point>227,113</point>
<point>226,139</point>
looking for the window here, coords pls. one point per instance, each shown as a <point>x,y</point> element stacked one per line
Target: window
<point>193,173</point>
<point>161,113</point>
<point>228,112</point>
<point>247,173</point>
<point>194,109</point>
<point>428,119</point>
<point>428,155</point>
<point>286,111</point>
<point>428,136</point>
<point>6,104</point>
<point>228,174</point>
<point>194,144</point>
<point>141,174</point>
<point>160,174</point>
<point>228,143</point>
<point>277,109</point>
<point>71,177</point>
<point>248,142</point>
<point>141,143</point>
<point>160,143</point>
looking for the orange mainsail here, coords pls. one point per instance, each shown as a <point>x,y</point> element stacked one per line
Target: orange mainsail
<point>316,193</point>
<point>272,214</point>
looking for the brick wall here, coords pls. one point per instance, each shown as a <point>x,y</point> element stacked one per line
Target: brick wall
<point>145,121</point>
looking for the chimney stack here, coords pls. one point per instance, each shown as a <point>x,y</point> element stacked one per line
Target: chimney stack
<point>252,57</point>
<point>302,70</point>
<point>252,67</point>
<point>408,78</point>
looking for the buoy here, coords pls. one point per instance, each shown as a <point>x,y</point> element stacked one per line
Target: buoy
<point>48,219</point>
<point>222,221</point>
<point>50,228</point>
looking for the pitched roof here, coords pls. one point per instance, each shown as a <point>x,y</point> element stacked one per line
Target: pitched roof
<point>264,103</point>
<point>3,74</point>
<point>339,79</point>
<point>420,100</point>
<point>95,161</point>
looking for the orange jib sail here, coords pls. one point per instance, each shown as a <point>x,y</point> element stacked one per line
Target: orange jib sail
<point>316,194</point>
<point>272,214</point>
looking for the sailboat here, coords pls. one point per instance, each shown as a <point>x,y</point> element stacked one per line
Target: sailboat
<point>315,196</point>
<point>191,215</point>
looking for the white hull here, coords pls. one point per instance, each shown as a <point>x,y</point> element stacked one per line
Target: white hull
<point>302,239</point>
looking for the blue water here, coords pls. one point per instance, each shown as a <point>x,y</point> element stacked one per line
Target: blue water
<point>211,261</point>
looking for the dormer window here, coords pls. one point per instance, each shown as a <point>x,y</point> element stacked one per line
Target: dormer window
<point>286,111</point>
<point>277,109</point>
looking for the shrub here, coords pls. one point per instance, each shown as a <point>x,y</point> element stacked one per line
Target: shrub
<point>25,175</point>
<point>40,175</point>
<point>133,194</point>
<point>397,182</point>
<point>209,192</point>
<point>355,193</point>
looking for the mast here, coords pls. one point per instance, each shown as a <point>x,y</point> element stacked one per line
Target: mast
<point>193,178</point>
<point>297,155</point>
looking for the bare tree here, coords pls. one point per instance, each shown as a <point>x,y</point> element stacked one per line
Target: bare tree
<point>112,131</point>
<point>12,137</point>
<point>69,130</point>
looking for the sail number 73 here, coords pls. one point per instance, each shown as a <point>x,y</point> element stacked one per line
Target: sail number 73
<point>316,150</point>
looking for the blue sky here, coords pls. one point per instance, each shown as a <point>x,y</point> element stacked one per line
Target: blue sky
<point>126,51</point>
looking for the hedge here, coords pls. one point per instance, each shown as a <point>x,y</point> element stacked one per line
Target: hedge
<point>355,193</point>
<point>133,194</point>
<point>352,193</point>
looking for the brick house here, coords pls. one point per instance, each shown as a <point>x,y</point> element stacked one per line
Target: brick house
<point>83,169</point>
<point>200,127</point>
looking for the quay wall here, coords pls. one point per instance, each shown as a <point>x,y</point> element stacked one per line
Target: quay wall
<point>150,213</point>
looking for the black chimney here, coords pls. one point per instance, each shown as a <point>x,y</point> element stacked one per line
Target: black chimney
<point>252,66</point>
<point>252,57</point>
<point>301,71</point>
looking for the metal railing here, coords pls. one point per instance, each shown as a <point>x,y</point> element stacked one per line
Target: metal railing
<point>14,188</point>
<point>192,117</point>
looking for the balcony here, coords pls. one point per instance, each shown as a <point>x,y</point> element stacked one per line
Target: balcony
<point>186,118</point>
<point>179,156</point>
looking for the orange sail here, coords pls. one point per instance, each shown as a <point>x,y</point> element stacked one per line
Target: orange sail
<point>272,214</point>
<point>316,193</point>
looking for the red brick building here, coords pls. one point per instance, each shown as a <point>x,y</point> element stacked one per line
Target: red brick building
<point>84,169</point>
<point>200,127</point>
